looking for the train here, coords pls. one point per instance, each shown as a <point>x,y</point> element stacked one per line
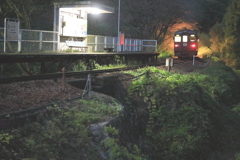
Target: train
<point>185,43</point>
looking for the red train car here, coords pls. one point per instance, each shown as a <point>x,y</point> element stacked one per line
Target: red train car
<point>185,43</point>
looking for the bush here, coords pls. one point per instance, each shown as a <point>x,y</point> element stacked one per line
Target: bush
<point>116,151</point>
<point>59,133</point>
<point>187,112</point>
<point>163,55</point>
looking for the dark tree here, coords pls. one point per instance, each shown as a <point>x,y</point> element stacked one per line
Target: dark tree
<point>209,12</point>
<point>151,19</point>
<point>33,14</point>
<point>231,28</point>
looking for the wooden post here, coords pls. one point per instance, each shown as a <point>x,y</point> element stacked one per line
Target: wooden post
<point>169,63</point>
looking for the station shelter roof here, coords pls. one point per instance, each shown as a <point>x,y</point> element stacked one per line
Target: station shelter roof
<point>88,6</point>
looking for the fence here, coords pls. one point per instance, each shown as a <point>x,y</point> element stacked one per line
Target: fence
<point>98,43</point>
<point>39,41</point>
<point>30,41</point>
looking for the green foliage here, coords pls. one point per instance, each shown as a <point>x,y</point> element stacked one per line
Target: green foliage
<point>181,125</point>
<point>133,63</point>
<point>143,75</point>
<point>204,45</point>
<point>220,82</point>
<point>237,156</point>
<point>213,12</point>
<point>81,66</point>
<point>237,109</point>
<point>231,33</point>
<point>225,36</point>
<point>215,59</point>
<point>116,151</point>
<point>180,133</point>
<point>185,112</point>
<point>71,50</point>
<point>5,138</point>
<point>204,39</point>
<point>100,108</point>
<point>111,130</point>
<point>110,66</point>
<point>163,55</point>
<point>217,39</point>
<point>59,133</point>
<point>118,59</point>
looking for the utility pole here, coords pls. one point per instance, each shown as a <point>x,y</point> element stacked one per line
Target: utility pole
<point>118,45</point>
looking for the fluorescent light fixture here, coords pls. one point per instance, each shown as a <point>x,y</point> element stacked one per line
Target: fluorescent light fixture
<point>95,11</point>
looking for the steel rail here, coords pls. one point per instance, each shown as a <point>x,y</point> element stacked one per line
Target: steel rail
<point>59,75</point>
<point>74,74</point>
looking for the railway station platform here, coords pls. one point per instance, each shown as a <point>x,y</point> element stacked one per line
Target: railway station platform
<point>69,40</point>
<point>63,57</point>
<point>60,56</point>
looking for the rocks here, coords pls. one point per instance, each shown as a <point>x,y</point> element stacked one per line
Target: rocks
<point>97,131</point>
<point>98,135</point>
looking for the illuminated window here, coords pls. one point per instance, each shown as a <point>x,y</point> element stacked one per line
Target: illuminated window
<point>185,38</point>
<point>192,38</point>
<point>177,38</point>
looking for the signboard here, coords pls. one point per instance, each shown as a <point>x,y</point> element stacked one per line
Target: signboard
<point>75,28</point>
<point>73,25</point>
<point>122,39</point>
<point>12,30</point>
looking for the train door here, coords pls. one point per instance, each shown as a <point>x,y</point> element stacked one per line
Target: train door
<point>193,42</point>
<point>177,44</point>
<point>185,43</point>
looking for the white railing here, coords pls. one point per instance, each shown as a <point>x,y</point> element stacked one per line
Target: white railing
<point>97,43</point>
<point>149,45</point>
<point>30,41</point>
<point>39,40</point>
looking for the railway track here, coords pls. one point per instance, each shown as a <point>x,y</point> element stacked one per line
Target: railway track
<point>75,74</point>
<point>59,75</point>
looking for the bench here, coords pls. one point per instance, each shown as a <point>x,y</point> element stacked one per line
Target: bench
<point>108,49</point>
<point>77,44</point>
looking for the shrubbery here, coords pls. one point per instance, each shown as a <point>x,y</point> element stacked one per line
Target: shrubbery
<point>59,133</point>
<point>191,116</point>
<point>188,113</point>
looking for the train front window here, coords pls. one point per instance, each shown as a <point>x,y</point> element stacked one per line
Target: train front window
<point>192,38</point>
<point>185,38</point>
<point>177,38</point>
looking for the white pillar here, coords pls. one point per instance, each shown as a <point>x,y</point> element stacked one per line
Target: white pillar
<point>56,27</point>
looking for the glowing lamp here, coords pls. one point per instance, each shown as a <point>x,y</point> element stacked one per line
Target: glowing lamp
<point>193,45</point>
<point>95,11</point>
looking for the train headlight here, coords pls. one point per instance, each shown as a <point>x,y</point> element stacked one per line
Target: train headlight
<point>176,45</point>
